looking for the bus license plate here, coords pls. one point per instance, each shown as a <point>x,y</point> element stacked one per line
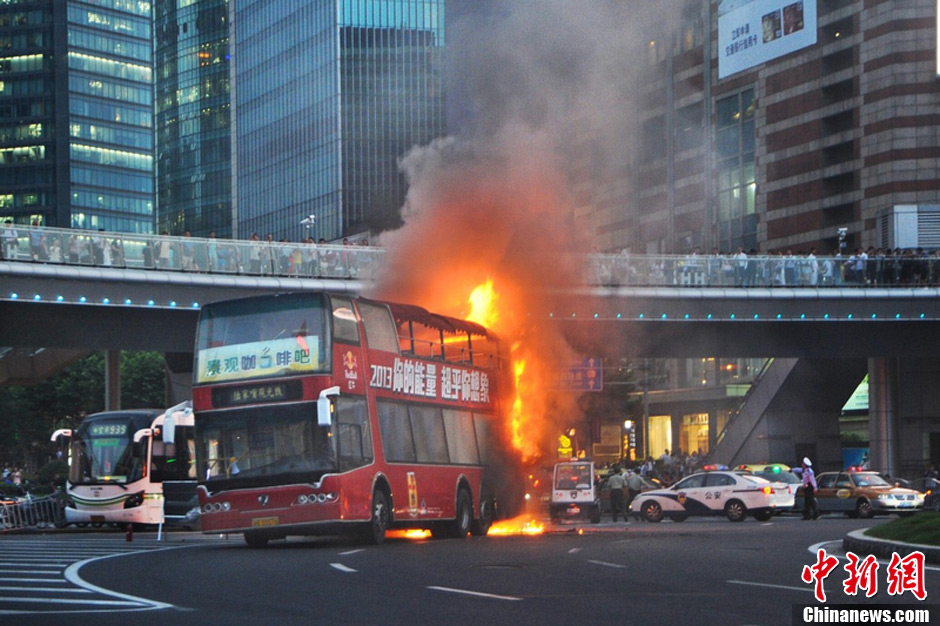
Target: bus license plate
<point>264,521</point>
<point>97,519</point>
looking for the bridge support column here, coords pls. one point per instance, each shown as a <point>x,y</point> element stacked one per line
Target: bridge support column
<point>883,414</point>
<point>112,380</point>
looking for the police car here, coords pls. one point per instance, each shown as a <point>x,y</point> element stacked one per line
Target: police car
<point>735,495</point>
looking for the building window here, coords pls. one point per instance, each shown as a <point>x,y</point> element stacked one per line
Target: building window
<point>737,188</point>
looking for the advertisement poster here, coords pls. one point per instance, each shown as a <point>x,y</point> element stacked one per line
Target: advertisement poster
<point>751,32</point>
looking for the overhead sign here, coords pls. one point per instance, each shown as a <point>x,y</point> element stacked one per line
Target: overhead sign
<point>751,32</point>
<point>588,375</point>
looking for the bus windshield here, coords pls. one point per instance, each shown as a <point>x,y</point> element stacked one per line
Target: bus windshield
<point>103,452</point>
<point>264,446</point>
<point>261,338</point>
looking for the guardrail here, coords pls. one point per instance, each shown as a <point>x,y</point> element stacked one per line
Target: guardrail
<point>188,254</point>
<point>262,258</point>
<point>29,512</point>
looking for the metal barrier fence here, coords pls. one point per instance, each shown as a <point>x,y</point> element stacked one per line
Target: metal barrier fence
<point>67,246</point>
<point>29,512</point>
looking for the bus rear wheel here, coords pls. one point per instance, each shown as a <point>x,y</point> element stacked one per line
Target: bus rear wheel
<point>381,518</point>
<point>479,527</point>
<point>463,516</point>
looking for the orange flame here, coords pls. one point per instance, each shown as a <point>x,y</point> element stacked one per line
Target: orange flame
<point>521,525</point>
<point>408,533</point>
<point>482,303</point>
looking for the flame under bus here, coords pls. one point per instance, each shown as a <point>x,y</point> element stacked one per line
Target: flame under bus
<point>318,414</point>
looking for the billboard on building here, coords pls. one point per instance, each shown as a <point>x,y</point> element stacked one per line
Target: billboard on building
<point>751,32</point>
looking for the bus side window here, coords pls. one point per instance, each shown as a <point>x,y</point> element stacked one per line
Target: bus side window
<point>345,326</point>
<point>381,333</point>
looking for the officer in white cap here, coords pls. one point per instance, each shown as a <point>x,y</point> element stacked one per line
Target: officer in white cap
<point>810,508</point>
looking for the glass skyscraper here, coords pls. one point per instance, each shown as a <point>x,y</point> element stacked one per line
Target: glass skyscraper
<point>76,122</point>
<point>193,117</point>
<point>328,97</point>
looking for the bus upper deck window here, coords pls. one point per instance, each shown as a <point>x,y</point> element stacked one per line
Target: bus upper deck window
<point>345,327</point>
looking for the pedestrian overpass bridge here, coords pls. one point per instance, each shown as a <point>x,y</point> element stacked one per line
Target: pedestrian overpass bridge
<point>80,290</point>
<point>65,292</point>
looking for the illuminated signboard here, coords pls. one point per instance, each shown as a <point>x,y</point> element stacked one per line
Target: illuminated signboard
<point>751,32</point>
<point>278,357</point>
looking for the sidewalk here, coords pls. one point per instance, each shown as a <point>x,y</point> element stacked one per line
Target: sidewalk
<point>860,543</point>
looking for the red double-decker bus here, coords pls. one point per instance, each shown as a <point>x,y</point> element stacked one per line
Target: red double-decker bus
<point>319,413</point>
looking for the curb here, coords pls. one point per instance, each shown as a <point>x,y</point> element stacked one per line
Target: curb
<point>858,542</point>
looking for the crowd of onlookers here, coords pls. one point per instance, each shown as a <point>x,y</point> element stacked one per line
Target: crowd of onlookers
<point>308,258</point>
<point>873,267</point>
<point>864,267</point>
<point>667,469</point>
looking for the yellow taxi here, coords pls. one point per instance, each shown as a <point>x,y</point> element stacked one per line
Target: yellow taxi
<point>863,494</point>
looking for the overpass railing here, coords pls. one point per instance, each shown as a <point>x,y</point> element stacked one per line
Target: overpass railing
<point>188,254</point>
<point>261,258</point>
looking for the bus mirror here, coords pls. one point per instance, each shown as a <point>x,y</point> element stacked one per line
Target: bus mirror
<point>143,432</point>
<point>324,411</point>
<point>325,406</point>
<point>62,432</point>
<point>169,430</point>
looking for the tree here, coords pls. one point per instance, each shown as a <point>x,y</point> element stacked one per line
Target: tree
<point>32,413</point>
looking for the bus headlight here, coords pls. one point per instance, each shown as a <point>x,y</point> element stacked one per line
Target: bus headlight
<point>134,500</point>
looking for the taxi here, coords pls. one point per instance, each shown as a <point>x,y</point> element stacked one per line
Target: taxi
<point>732,494</point>
<point>863,494</point>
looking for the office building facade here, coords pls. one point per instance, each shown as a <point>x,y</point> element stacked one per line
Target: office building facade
<point>327,98</point>
<point>76,129</point>
<point>193,117</point>
<point>776,124</point>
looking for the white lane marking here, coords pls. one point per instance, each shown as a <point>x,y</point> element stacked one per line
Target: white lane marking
<point>478,594</point>
<point>342,567</point>
<point>745,582</point>
<point>71,575</point>
<point>44,589</point>
<point>574,550</point>
<point>130,603</point>
<point>48,581</point>
<point>348,552</point>
<point>606,564</point>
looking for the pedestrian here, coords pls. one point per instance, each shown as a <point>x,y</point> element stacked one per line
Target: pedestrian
<point>617,483</point>
<point>810,508</point>
<point>634,487</point>
<point>10,241</point>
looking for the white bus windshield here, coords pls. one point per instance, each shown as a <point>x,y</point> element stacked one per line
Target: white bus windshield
<point>103,452</point>
<point>261,338</point>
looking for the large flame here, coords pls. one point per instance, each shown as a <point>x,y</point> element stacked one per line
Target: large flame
<point>482,301</point>
<point>521,525</point>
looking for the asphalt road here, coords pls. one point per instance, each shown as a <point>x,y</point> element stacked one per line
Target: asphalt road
<point>702,571</point>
